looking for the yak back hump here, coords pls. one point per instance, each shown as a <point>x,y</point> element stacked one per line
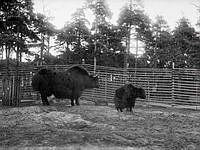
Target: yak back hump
<point>78,70</point>
<point>80,77</point>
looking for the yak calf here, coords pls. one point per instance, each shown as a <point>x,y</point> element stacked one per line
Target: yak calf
<point>126,95</point>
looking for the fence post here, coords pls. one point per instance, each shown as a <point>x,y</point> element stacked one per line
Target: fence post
<point>173,87</point>
<point>106,84</point>
<point>10,92</point>
<point>16,89</point>
<point>196,96</point>
<point>147,85</point>
<point>6,90</point>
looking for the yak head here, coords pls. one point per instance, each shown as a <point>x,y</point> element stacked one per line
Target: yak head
<point>94,81</point>
<point>47,74</point>
<point>136,91</point>
<point>141,93</point>
<point>42,78</point>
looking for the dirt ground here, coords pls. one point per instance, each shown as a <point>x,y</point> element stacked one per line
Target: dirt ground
<point>90,127</point>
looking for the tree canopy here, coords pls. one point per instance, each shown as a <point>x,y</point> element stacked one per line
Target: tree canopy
<point>81,39</point>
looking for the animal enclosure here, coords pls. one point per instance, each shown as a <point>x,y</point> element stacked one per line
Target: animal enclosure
<point>173,87</point>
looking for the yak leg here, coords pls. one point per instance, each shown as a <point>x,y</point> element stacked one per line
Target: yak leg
<point>77,101</point>
<point>119,109</point>
<point>78,94</point>
<point>129,105</point>
<point>44,99</point>
<point>130,109</point>
<point>72,102</point>
<point>132,105</point>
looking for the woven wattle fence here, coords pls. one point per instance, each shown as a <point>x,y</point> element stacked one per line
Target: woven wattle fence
<point>166,86</point>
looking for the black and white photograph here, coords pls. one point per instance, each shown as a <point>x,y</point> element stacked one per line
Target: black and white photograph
<point>99,74</point>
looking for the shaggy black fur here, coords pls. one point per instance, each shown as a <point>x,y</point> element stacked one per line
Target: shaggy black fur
<point>67,84</point>
<point>126,95</point>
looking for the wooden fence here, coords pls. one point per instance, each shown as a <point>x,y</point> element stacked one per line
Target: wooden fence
<point>174,87</point>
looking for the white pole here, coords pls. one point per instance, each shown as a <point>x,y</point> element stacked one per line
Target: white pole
<point>136,54</point>
<point>95,46</point>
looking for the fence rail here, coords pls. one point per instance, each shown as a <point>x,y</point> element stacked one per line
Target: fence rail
<point>177,86</point>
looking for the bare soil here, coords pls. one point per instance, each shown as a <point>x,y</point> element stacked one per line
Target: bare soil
<point>90,127</point>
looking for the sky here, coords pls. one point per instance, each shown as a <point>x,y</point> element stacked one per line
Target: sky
<point>172,10</point>
<point>60,12</point>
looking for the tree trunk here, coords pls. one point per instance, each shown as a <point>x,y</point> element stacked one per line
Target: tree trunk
<point>1,53</point>
<point>6,91</point>
<point>48,44</point>
<point>7,81</point>
<point>16,98</point>
<point>11,83</point>
<point>42,50</point>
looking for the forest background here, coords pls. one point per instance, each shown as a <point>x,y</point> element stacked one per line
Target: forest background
<point>80,40</point>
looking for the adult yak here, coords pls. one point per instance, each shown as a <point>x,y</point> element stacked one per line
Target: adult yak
<point>126,95</point>
<point>67,84</point>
